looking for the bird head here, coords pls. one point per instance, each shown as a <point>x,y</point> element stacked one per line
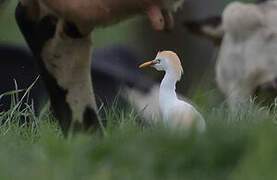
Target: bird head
<point>166,61</point>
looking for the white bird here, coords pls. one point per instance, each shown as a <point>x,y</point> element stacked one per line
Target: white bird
<point>175,112</point>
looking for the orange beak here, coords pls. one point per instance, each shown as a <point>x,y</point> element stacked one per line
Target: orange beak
<point>149,63</point>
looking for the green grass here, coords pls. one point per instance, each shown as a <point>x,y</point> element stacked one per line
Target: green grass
<point>237,145</point>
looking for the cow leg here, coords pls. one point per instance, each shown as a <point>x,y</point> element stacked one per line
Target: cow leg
<point>63,57</point>
<point>238,96</point>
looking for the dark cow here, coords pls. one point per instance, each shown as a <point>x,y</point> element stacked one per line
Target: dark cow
<point>59,33</point>
<point>114,71</point>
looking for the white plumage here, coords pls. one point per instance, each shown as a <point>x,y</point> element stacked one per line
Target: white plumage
<point>176,113</point>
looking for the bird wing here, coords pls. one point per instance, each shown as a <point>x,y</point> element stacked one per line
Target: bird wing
<point>185,116</point>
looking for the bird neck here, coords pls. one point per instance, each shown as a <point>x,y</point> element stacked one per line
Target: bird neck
<point>168,84</point>
<point>167,96</point>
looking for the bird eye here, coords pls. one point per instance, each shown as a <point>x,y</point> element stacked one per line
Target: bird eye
<point>158,60</point>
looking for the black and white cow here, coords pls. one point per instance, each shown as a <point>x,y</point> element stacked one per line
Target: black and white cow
<point>246,37</point>
<point>115,75</point>
<point>59,33</point>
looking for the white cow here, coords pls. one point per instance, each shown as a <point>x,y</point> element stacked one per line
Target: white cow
<point>246,35</point>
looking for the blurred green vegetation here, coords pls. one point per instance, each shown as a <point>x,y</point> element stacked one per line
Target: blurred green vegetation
<point>9,31</point>
<point>121,33</point>
<point>236,145</point>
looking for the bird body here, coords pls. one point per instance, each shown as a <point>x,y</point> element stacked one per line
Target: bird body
<point>176,113</point>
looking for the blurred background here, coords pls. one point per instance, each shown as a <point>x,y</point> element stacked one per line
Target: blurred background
<point>197,54</point>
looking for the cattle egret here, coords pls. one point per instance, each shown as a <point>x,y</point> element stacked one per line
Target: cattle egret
<point>176,113</point>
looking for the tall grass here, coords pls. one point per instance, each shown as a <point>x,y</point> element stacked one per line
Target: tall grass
<point>236,145</point>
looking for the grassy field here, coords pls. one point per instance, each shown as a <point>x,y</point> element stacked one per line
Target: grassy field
<point>239,145</point>
<point>236,146</point>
